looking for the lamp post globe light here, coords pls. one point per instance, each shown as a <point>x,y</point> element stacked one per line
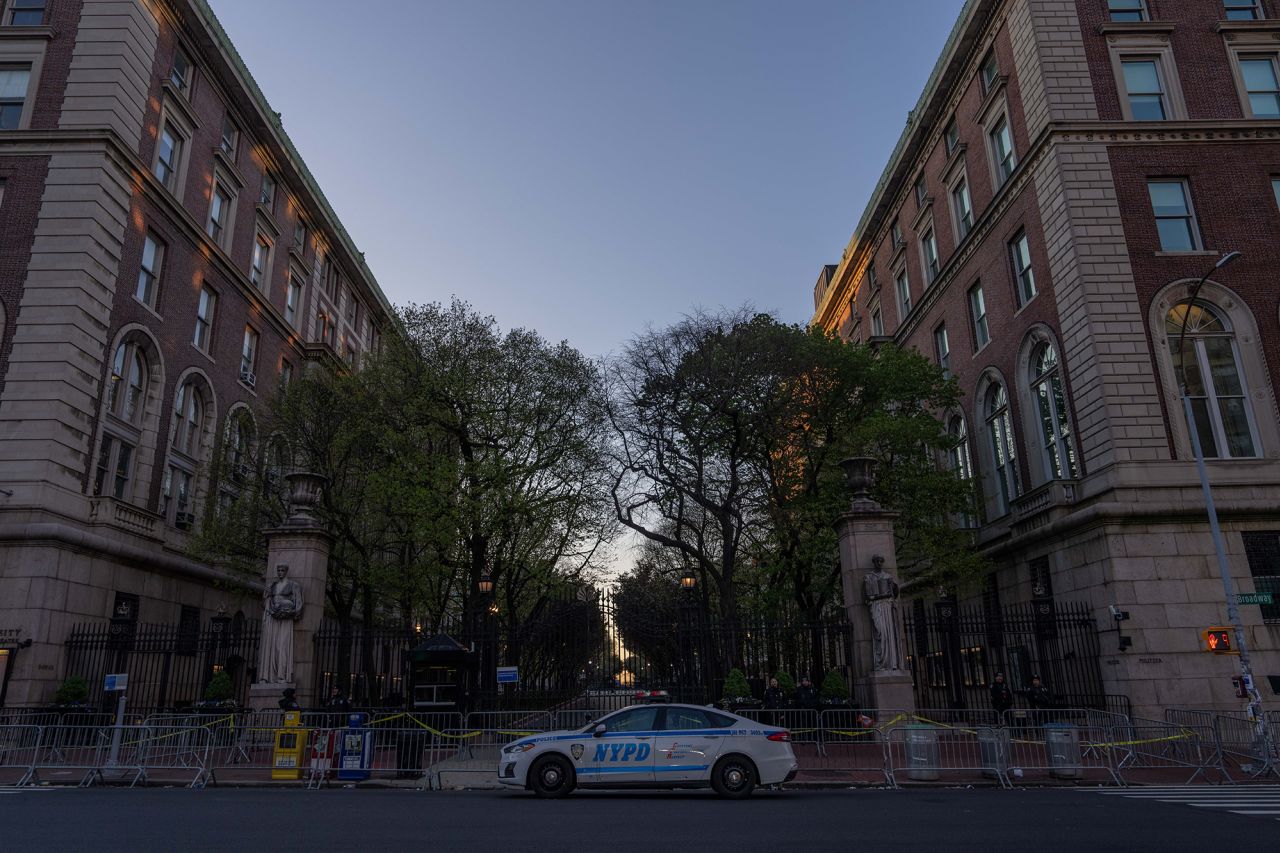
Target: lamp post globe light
<point>1254,707</point>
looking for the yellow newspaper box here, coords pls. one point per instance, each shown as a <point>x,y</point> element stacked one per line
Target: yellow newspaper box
<point>291,741</point>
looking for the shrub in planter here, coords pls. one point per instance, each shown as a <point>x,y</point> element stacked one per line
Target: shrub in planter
<point>219,693</point>
<point>73,692</point>
<point>737,692</point>
<point>834,690</point>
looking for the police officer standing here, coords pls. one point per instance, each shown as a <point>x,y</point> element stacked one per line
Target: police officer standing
<point>1001,696</point>
<point>1038,695</point>
<point>807,696</point>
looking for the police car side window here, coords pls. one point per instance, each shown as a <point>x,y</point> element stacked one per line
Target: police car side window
<point>719,721</point>
<point>637,720</point>
<point>686,718</point>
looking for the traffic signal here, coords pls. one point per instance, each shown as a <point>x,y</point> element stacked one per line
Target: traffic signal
<point>1219,641</point>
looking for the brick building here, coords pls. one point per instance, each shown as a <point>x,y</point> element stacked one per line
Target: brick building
<point>167,263</point>
<point>1072,168</point>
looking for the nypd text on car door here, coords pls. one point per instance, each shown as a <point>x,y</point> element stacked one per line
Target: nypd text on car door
<point>623,753</point>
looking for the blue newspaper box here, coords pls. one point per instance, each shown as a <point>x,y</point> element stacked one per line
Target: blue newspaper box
<point>355,749</point>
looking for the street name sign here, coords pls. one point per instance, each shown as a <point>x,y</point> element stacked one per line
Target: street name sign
<point>1255,598</point>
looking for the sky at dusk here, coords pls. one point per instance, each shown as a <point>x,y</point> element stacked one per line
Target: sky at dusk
<point>588,167</point>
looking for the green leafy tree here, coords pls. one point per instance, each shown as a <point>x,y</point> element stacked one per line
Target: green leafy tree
<point>736,685</point>
<point>834,688</point>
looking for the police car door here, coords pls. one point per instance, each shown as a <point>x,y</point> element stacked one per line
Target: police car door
<point>624,753</point>
<point>688,744</point>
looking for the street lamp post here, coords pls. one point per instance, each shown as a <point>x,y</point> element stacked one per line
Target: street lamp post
<point>1254,707</point>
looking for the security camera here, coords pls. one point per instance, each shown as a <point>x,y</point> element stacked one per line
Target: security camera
<point>1118,614</point>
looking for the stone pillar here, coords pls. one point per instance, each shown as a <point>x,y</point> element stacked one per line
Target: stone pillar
<point>865,533</point>
<point>302,544</point>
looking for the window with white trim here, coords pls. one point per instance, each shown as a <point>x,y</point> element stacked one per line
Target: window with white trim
<point>922,192</point>
<point>902,289</point>
<point>249,352</point>
<point>14,82</point>
<point>219,214</point>
<point>951,136</point>
<point>1144,88</point>
<point>959,461</point>
<point>962,207</point>
<point>1003,449</point>
<point>25,13</point>
<point>149,270</point>
<point>267,197</point>
<point>978,316</point>
<point>895,232</point>
<point>188,419</point>
<point>128,384</point>
<point>1050,398</point>
<point>230,140</point>
<point>1261,78</point>
<point>260,263</point>
<point>877,322</point>
<point>122,422</point>
<point>1242,10</point>
<point>182,72</point>
<point>989,72</point>
<point>1215,383</point>
<point>203,338</point>
<point>929,251</point>
<point>942,348</point>
<point>169,149</point>
<point>1175,218</point>
<point>1127,10</point>
<point>1002,154</point>
<point>293,300</point>
<point>300,235</point>
<point>1023,276</point>
<point>190,438</point>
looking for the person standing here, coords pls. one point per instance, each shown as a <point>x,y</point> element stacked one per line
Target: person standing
<point>807,696</point>
<point>1001,696</point>
<point>774,699</point>
<point>1038,696</point>
<point>289,700</point>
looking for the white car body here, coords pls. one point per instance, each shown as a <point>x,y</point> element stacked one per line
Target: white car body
<point>654,746</point>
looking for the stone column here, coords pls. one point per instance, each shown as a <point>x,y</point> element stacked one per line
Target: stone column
<point>866,533</point>
<point>302,544</point>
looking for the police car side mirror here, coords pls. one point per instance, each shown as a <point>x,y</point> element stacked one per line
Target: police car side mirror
<point>598,731</point>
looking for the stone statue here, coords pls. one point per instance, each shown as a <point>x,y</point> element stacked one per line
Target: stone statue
<point>282,604</point>
<point>881,593</point>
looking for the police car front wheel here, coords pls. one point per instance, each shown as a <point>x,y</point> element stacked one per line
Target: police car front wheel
<point>551,777</point>
<point>734,776</point>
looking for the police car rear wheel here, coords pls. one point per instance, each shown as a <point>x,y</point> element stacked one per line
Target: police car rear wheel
<point>551,777</point>
<point>734,776</point>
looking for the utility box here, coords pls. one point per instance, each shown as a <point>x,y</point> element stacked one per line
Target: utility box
<point>355,749</point>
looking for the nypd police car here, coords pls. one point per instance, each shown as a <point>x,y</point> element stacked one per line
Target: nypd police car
<point>652,746</point>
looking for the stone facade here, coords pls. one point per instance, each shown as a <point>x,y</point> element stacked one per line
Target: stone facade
<point>86,202</point>
<point>1115,507</point>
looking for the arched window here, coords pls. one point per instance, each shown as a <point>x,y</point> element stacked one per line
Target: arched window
<point>1055,419</point>
<point>128,383</point>
<point>1004,455</point>
<point>239,444</point>
<point>125,404</point>
<point>188,419</point>
<point>958,460</point>
<point>1214,381</point>
<point>190,440</point>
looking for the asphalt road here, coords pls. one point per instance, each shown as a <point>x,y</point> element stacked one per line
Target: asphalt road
<point>1041,820</point>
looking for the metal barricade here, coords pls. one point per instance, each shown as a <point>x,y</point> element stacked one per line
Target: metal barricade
<point>18,747</point>
<point>248,756</point>
<point>853,749</point>
<point>1151,752</point>
<point>926,753</point>
<point>956,718</point>
<point>74,754</point>
<point>1062,752</point>
<point>1245,754</point>
<point>576,718</point>
<point>804,723</point>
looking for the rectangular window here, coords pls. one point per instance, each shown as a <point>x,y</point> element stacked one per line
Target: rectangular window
<point>180,74</point>
<point>873,284</point>
<point>1242,10</point>
<point>115,462</point>
<point>219,213</point>
<point>267,198</point>
<point>230,136</point>
<point>258,269</point>
<point>1127,10</point>
<point>896,231</point>
<point>922,192</point>
<point>1261,84</point>
<point>176,496</point>
<point>1275,190</point>
<point>990,71</point>
<point>353,308</point>
<point>1020,250</point>
<point>877,322</point>
<point>1262,551</point>
<point>1144,88</point>
<point>292,300</point>
<point>962,207</point>
<point>204,319</point>
<point>942,348</point>
<point>300,235</point>
<point>286,375</point>
<point>188,630</point>
<point>168,152</point>
<point>249,352</point>
<point>929,246</point>
<point>332,279</point>
<point>25,13</point>
<point>902,285</point>
<point>1002,151</point>
<point>149,273</point>
<point>978,312</point>
<point>1174,219</point>
<point>13,95</point>
<point>951,136</point>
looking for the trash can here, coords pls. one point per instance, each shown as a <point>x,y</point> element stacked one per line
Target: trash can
<point>923,758</point>
<point>1062,743</point>
<point>995,757</point>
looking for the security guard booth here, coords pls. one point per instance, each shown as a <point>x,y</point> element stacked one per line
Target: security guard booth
<point>441,667</point>
<point>290,744</point>
<point>355,749</point>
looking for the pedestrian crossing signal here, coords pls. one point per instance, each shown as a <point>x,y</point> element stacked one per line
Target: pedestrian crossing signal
<point>1218,641</point>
